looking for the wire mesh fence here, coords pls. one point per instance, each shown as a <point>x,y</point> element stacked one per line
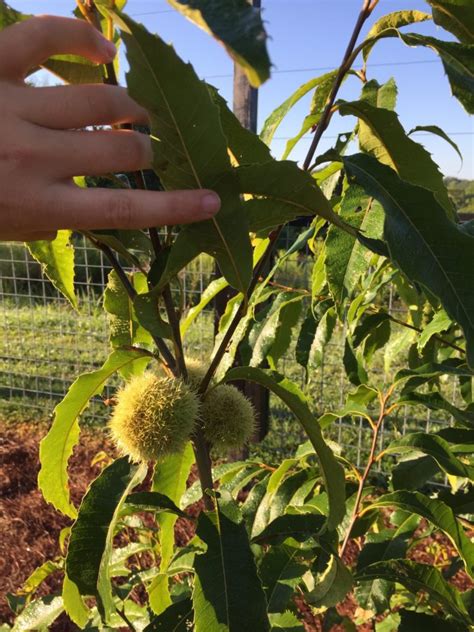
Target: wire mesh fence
<point>45,345</point>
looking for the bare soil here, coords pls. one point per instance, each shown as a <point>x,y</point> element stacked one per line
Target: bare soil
<point>30,527</point>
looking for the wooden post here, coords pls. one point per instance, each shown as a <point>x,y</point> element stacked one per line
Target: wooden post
<point>245,106</point>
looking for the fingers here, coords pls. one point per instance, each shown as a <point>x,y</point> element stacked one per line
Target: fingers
<point>97,153</point>
<point>27,44</point>
<point>73,107</point>
<point>86,209</point>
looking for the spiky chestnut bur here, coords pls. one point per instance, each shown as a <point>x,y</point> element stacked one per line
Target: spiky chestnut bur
<point>228,418</point>
<point>154,417</point>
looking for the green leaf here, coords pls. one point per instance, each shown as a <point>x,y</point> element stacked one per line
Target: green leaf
<point>38,576</point>
<point>124,328</point>
<point>170,479</point>
<point>320,98</point>
<point>305,338</point>
<point>440,322</point>
<point>423,242</point>
<point>456,16</point>
<point>380,96</point>
<point>147,310</point>
<point>413,473</point>
<point>275,501</point>
<point>226,581</point>
<point>126,243</point>
<point>331,586</point>
<point>90,546</point>
<point>434,401</point>
<point>462,502</point>
<point>178,617</point>
<point>415,577</point>
<point>298,526</point>
<point>74,604</point>
<point>39,614</point>
<point>275,336</point>
<point>57,262</point>
<point>74,69</point>
<point>437,131</point>
<point>238,26</point>
<point>245,146</point>
<point>435,447</point>
<point>211,291</point>
<point>152,501</point>
<point>414,621</point>
<point>458,62</point>
<point>322,338</point>
<point>286,622</point>
<point>347,259</point>
<point>58,445</point>
<point>382,135</point>
<point>281,571</point>
<point>156,80</point>
<point>291,395</point>
<point>356,405</point>
<point>276,117</point>
<point>378,547</point>
<point>395,20</point>
<point>436,512</point>
<point>287,192</point>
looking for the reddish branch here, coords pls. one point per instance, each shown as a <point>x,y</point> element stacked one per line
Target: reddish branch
<point>367,8</point>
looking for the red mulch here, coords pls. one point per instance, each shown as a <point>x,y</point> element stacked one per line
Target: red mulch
<point>30,527</point>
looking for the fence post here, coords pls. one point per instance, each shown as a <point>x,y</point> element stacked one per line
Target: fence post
<point>245,106</point>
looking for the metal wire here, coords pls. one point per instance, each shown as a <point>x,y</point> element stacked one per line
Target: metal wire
<point>45,345</point>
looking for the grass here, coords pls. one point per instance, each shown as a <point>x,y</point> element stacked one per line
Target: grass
<point>45,347</point>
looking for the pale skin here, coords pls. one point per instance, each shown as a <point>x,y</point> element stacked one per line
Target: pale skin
<point>42,146</point>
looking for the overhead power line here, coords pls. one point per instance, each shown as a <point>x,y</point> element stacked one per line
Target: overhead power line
<point>329,68</point>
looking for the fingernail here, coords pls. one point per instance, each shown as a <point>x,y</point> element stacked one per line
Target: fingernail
<point>210,203</point>
<point>110,49</point>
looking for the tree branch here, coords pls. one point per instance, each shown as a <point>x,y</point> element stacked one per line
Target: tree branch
<point>160,343</point>
<point>346,64</point>
<point>370,463</point>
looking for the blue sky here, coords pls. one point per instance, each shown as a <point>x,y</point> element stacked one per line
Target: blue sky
<point>307,38</point>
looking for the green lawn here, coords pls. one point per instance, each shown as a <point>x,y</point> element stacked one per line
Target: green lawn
<point>43,349</point>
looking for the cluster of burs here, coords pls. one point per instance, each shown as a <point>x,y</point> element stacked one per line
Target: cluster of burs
<point>155,416</point>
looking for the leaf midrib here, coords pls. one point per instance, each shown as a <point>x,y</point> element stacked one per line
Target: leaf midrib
<point>222,560</point>
<point>453,17</point>
<point>191,164</point>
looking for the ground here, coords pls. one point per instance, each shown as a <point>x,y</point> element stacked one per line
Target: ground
<point>30,528</point>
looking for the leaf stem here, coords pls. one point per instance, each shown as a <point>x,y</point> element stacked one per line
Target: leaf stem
<point>344,68</point>
<point>170,311</point>
<point>160,343</point>
<point>124,617</point>
<point>370,463</point>
<point>259,268</point>
<point>417,329</point>
<point>201,449</point>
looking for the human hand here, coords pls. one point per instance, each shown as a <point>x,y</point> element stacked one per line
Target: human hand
<point>43,148</point>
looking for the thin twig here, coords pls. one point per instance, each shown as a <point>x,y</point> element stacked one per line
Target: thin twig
<point>201,448</point>
<point>370,463</point>
<point>170,311</point>
<point>259,268</point>
<point>124,617</point>
<point>346,64</point>
<point>417,329</point>
<point>132,294</point>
